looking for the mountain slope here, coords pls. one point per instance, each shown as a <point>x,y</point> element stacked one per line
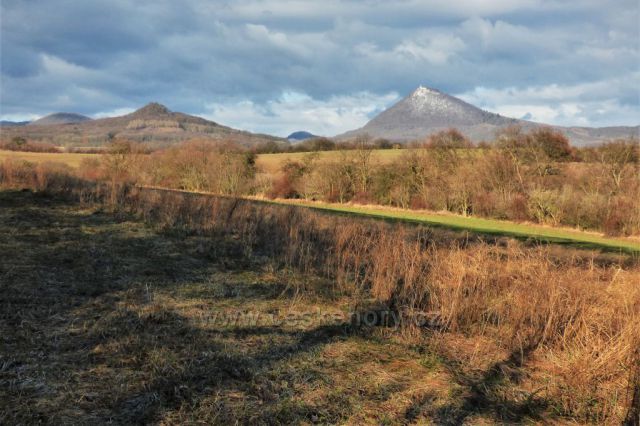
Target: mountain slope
<point>426,111</point>
<point>60,118</point>
<point>153,124</point>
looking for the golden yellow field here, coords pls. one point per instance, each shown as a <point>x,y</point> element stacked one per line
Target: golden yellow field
<point>269,163</point>
<point>72,160</point>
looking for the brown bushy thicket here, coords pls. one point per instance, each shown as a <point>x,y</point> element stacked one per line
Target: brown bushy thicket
<point>571,322</point>
<point>534,176</point>
<point>537,177</point>
<point>23,145</point>
<point>46,177</point>
<point>223,168</point>
<point>574,324</point>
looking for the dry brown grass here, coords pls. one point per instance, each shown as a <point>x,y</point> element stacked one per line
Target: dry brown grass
<point>106,320</point>
<point>71,159</point>
<point>569,319</point>
<point>526,332</point>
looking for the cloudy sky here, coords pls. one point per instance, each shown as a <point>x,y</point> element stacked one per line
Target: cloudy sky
<point>276,66</point>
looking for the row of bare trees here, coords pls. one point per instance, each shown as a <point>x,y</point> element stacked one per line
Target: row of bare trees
<point>535,176</point>
<point>522,176</point>
<point>223,168</point>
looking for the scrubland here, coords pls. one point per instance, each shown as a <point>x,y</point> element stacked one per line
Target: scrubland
<point>111,294</point>
<point>535,177</point>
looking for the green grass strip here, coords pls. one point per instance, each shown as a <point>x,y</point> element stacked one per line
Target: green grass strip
<point>493,227</point>
<point>484,226</point>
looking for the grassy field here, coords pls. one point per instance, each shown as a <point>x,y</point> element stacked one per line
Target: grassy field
<point>272,163</point>
<point>70,159</point>
<point>106,320</point>
<point>269,163</point>
<point>499,228</point>
<point>522,231</point>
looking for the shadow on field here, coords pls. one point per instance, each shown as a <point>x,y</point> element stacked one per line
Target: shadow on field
<point>195,369</point>
<point>83,341</point>
<point>487,394</point>
<point>99,323</point>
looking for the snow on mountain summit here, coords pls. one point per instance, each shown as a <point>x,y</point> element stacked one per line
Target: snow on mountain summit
<point>425,100</point>
<point>426,111</point>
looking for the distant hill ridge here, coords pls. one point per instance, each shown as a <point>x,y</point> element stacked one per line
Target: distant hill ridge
<point>60,118</point>
<point>426,111</point>
<point>8,123</point>
<point>154,124</point>
<point>300,135</point>
<point>151,109</point>
<point>423,112</point>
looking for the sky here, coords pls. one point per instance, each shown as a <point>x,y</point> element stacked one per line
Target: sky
<point>277,66</point>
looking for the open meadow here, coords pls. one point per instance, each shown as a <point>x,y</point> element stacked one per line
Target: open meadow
<point>106,319</point>
<point>523,231</point>
<point>268,163</point>
<point>157,306</point>
<point>272,163</point>
<point>71,159</point>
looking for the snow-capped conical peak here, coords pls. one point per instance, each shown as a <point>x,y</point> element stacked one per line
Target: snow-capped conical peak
<point>423,91</point>
<point>427,100</point>
<point>426,111</point>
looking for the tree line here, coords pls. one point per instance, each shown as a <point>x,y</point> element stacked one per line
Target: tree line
<point>522,176</point>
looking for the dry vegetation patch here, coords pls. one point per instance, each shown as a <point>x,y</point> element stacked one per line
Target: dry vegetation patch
<point>210,312</point>
<point>104,319</point>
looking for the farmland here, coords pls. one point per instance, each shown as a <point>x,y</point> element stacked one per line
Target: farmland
<point>272,163</point>
<point>269,163</point>
<point>71,159</point>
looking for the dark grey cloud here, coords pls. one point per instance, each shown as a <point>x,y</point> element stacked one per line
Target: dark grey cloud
<point>279,65</point>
